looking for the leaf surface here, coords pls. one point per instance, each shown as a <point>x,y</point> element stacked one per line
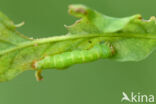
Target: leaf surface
<point>132,37</point>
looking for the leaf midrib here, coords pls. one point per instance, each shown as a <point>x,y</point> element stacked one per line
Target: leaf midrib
<point>37,42</point>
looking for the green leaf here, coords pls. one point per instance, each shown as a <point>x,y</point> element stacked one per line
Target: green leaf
<point>132,38</point>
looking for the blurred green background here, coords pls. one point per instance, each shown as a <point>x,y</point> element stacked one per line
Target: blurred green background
<point>100,82</point>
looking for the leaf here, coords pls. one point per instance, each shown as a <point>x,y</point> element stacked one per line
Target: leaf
<point>132,37</point>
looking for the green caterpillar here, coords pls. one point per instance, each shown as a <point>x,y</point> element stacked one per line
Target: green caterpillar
<point>67,59</point>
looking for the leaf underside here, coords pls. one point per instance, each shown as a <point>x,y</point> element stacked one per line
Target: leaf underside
<point>132,37</point>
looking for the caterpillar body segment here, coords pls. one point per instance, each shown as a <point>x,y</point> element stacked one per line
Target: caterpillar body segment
<point>67,59</point>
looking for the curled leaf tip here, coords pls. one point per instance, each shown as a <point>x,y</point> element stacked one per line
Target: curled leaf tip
<point>78,10</point>
<point>20,24</point>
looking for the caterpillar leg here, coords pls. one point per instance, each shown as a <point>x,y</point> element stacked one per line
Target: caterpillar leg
<point>38,75</point>
<point>109,44</point>
<point>113,49</point>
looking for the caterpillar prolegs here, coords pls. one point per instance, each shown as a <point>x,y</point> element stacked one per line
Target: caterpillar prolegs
<point>67,59</point>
